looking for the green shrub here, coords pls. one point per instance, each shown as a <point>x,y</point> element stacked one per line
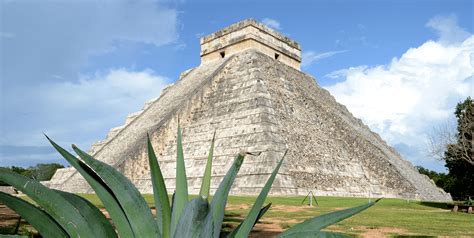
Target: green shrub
<point>61,214</point>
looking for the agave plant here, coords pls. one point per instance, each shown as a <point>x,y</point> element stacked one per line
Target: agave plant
<point>62,214</point>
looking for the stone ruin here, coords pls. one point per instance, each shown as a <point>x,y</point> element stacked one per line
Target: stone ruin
<point>249,90</point>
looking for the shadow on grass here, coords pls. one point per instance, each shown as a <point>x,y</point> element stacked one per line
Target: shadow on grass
<point>254,233</point>
<point>441,205</point>
<point>233,219</point>
<point>412,236</point>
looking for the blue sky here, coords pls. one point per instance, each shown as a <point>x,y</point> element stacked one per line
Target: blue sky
<point>75,69</point>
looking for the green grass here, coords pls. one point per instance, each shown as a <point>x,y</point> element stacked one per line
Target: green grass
<point>414,218</point>
<point>410,218</point>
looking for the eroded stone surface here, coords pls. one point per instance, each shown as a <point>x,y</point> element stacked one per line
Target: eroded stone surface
<point>257,104</point>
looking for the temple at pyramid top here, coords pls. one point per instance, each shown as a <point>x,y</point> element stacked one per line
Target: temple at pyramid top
<point>250,34</point>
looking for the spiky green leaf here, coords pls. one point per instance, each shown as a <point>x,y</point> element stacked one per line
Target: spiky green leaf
<point>92,214</point>
<point>206,179</point>
<point>133,204</point>
<point>36,217</point>
<point>63,212</point>
<point>213,221</point>
<point>104,193</point>
<point>249,221</point>
<point>181,197</point>
<point>191,221</point>
<point>260,215</point>
<point>317,223</point>
<point>160,194</point>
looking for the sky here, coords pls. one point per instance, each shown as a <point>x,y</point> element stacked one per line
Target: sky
<point>75,69</point>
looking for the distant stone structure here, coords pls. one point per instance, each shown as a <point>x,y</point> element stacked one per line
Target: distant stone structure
<point>249,89</point>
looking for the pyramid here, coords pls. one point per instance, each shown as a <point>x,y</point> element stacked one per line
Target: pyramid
<point>249,90</point>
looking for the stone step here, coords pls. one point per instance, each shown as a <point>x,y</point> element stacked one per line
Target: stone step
<point>114,131</point>
<point>185,73</point>
<point>97,146</point>
<point>132,117</point>
<point>149,102</point>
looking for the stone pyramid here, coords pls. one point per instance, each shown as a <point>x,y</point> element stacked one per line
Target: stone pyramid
<point>250,90</point>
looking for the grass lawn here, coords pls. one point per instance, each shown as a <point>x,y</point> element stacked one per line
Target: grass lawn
<point>389,217</point>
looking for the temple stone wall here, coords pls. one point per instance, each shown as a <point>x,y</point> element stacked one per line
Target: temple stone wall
<point>250,34</point>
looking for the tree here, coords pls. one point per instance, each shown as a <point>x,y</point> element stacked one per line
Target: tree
<point>461,179</point>
<point>457,139</point>
<point>463,148</point>
<point>458,156</point>
<point>44,172</point>
<point>440,137</point>
<point>442,180</point>
<point>40,172</point>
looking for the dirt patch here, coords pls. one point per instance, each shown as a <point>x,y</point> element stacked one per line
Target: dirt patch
<point>237,206</point>
<point>284,224</point>
<point>9,221</point>
<point>270,227</point>
<point>376,232</point>
<point>266,230</point>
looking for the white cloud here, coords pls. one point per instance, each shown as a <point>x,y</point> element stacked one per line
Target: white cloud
<point>448,29</point>
<point>59,37</point>
<point>272,23</point>
<point>404,99</point>
<point>45,45</point>
<point>78,112</point>
<point>310,57</point>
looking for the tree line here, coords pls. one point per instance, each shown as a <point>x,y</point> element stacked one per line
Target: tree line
<point>456,149</point>
<point>40,172</point>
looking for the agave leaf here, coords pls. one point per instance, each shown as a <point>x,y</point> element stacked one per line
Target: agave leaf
<point>162,203</point>
<point>320,222</point>
<point>70,219</point>
<point>172,200</point>
<point>39,219</point>
<point>317,234</point>
<point>260,215</point>
<point>206,180</point>
<point>213,221</point>
<point>249,222</point>
<point>92,214</point>
<point>133,204</point>
<point>190,223</point>
<point>106,195</point>
<point>181,197</point>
